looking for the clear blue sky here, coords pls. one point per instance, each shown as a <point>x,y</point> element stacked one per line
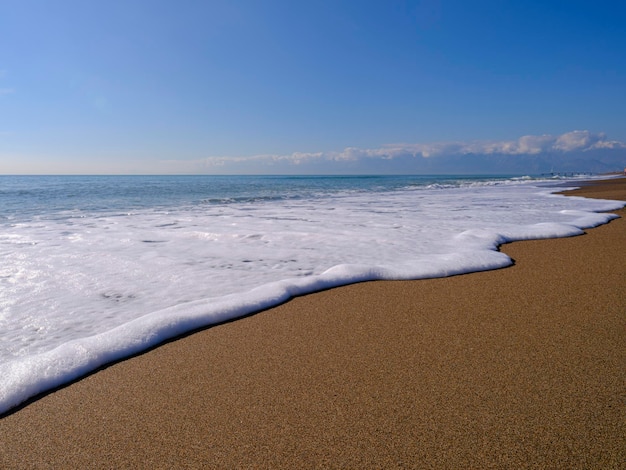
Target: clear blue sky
<point>162,86</point>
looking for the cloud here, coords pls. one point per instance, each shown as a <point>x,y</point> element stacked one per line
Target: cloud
<point>525,145</point>
<point>576,151</point>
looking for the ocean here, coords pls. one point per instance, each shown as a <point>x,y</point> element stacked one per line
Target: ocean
<point>97,268</point>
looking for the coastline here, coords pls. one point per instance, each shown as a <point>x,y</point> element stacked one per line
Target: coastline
<point>520,367</point>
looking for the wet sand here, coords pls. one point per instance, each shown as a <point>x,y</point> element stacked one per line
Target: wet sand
<point>523,367</point>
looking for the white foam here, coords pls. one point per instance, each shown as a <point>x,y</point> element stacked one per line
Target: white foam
<point>80,292</point>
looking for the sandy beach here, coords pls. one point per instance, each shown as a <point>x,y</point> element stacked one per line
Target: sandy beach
<point>523,367</point>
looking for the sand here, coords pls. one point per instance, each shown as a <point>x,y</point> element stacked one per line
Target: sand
<point>522,367</point>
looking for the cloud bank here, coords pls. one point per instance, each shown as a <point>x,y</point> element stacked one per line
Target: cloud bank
<point>576,151</point>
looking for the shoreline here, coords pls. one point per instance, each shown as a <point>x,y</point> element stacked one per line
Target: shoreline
<point>516,367</point>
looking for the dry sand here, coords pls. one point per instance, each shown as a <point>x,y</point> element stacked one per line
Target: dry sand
<point>523,367</point>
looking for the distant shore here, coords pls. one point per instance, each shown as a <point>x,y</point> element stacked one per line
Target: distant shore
<point>521,367</point>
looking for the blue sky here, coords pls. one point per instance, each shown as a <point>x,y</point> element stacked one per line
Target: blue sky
<point>263,86</point>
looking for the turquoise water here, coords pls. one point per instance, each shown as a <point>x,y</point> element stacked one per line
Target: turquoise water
<point>25,196</point>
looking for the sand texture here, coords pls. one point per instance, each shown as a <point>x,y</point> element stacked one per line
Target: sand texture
<point>522,367</point>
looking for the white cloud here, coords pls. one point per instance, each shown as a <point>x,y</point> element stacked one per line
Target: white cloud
<point>576,140</point>
<point>525,145</point>
<point>528,145</point>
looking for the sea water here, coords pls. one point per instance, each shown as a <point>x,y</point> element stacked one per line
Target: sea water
<point>94,269</point>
